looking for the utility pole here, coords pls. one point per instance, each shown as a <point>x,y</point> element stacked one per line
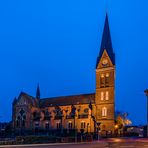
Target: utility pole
<point>146,93</point>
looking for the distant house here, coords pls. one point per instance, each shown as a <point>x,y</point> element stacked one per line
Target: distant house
<point>135,130</point>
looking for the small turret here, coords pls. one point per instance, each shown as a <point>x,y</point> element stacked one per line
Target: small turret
<point>38,92</point>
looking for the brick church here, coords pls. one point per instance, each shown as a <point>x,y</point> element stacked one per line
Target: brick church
<point>90,112</point>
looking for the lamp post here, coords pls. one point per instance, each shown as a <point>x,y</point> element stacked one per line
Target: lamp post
<point>98,129</point>
<point>73,110</point>
<point>75,132</point>
<point>146,93</point>
<point>116,129</point>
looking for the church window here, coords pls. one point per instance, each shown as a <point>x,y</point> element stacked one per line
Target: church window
<point>82,124</point>
<point>58,125</point>
<point>102,75</point>
<point>47,125</point>
<point>102,80</point>
<point>102,95</point>
<point>18,121</point>
<point>107,95</point>
<point>107,79</point>
<point>69,125</point>
<point>36,124</point>
<point>23,123</point>
<point>107,74</point>
<point>24,117</point>
<point>22,112</point>
<point>104,112</point>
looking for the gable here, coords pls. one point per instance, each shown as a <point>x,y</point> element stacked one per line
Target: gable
<point>105,61</point>
<point>25,99</point>
<point>22,101</point>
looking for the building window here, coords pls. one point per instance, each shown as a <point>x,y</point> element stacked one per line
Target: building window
<point>104,112</point>
<point>102,80</point>
<point>102,95</point>
<point>17,123</point>
<point>47,125</point>
<point>69,125</point>
<point>23,123</point>
<point>36,124</point>
<point>58,125</point>
<point>107,79</point>
<point>107,95</point>
<point>107,75</point>
<point>83,124</point>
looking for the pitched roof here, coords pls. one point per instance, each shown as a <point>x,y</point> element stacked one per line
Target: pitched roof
<point>67,100</point>
<point>106,43</point>
<point>27,96</point>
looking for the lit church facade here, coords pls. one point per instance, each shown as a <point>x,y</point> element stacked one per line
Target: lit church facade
<point>90,112</point>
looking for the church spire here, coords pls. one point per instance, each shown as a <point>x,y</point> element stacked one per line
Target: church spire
<point>38,92</point>
<point>106,43</point>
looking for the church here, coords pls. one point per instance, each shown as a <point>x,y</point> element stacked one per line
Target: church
<point>91,113</point>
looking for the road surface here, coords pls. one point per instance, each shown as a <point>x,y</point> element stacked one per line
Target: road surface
<point>105,143</point>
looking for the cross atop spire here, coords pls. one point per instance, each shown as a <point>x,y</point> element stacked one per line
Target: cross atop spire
<point>106,43</point>
<point>38,92</point>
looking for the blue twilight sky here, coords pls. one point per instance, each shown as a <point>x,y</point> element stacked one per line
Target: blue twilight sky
<point>56,43</point>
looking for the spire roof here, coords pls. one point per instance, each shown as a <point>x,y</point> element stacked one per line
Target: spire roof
<point>106,42</point>
<point>38,92</point>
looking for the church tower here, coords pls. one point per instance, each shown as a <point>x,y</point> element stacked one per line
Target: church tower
<point>105,77</point>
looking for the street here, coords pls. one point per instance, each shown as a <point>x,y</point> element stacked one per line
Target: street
<point>105,143</point>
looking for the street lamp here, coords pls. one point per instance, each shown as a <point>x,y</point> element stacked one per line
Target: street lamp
<point>146,93</point>
<point>116,129</point>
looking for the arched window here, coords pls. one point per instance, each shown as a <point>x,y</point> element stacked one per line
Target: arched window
<point>107,79</point>
<point>102,95</point>
<point>18,121</point>
<point>107,95</point>
<point>58,125</point>
<point>23,123</point>
<point>24,117</point>
<point>102,80</point>
<point>36,124</point>
<point>69,125</point>
<point>23,120</point>
<point>47,125</point>
<point>22,112</point>
<point>104,112</point>
<point>82,124</point>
